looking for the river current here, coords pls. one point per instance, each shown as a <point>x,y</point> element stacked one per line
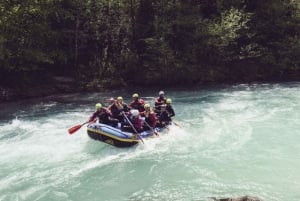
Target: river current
<point>233,141</point>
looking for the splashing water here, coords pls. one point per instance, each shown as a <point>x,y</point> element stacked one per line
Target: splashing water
<point>233,141</point>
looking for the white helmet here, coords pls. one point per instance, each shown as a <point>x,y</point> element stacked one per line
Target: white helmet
<point>134,113</point>
<point>161,93</point>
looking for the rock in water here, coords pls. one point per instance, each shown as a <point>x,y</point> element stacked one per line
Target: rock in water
<point>243,198</point>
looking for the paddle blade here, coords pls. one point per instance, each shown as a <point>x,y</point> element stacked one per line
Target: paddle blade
<point>176,124</point>
<point>74,129</point>
<point>140,138</point>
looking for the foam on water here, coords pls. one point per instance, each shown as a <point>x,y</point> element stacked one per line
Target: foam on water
<point>231,141</point>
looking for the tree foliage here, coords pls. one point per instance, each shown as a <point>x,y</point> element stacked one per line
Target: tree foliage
<point>148,41</point>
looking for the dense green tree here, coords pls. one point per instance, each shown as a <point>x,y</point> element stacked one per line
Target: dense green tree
<point>28,43</point>
<point>110,42</point>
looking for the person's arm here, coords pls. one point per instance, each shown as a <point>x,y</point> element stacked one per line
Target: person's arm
<point>171,113</point>
<point>138,124</point>
<point>94,115</point>
<point>125,108</point>
<point>131,105</point>
<point>142,102</point>
<point>108,112</point>
<point>153,119</point>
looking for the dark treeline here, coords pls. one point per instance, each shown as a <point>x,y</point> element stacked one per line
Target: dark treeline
<point>110,42</point>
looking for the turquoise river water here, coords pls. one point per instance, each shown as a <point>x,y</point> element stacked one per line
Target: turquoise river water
<point>233,141</point>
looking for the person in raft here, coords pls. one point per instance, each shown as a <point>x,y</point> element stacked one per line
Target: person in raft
<point>137,103</point>
<point>164,117</point>
<point>160,100</point>
<point>118,108</point>
<point>169,108</point>
<point>135,124</point>
<point>150,117</point>
<point>104,116</point>
<point>110,102</point>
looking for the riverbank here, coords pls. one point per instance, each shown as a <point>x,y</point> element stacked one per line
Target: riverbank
<point>57,85</point>
<point>65,85</point>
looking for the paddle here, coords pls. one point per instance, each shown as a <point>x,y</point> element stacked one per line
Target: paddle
<point>133,127</point>
<point>152,129</point>
<point>176,124</point>
<point>76,128</point>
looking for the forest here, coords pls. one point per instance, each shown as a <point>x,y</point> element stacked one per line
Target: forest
<point>114,43</point>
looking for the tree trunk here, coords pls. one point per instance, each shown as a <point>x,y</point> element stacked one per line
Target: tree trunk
<point>132,14</point>
<point>76,66</point>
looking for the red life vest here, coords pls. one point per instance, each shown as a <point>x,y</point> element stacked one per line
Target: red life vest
<point>138,105</point>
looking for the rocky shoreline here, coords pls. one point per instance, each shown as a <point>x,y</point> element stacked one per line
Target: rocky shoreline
<point>58,85</point>
<point>64,85</point>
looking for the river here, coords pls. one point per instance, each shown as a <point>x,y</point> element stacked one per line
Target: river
<point>234,140</point>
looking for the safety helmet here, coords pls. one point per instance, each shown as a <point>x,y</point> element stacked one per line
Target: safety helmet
<point>98,106</point>
<point>135,95</point>
<point>111,100</point>
<point>161,93</point>
<point>146,106</point>
<point>134,113</point>
<point>120,98</point>
<point>169,100</point>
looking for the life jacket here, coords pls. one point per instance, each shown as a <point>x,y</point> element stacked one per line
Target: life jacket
<point>137,123</point>
<point>170,110</point>
<point>104,116</point>
<point>150,118</point>
<point>138,105</point>
<point>94,115</point>
<point>160,101</point>
<point>123,107</point>
<point>164,117</point>
<point>117,108</point>
<point>114,110</point>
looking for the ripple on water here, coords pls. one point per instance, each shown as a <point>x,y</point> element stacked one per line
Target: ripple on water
<point>233,141</point>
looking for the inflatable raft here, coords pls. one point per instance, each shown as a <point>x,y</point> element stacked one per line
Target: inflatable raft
<point>114,136</point>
